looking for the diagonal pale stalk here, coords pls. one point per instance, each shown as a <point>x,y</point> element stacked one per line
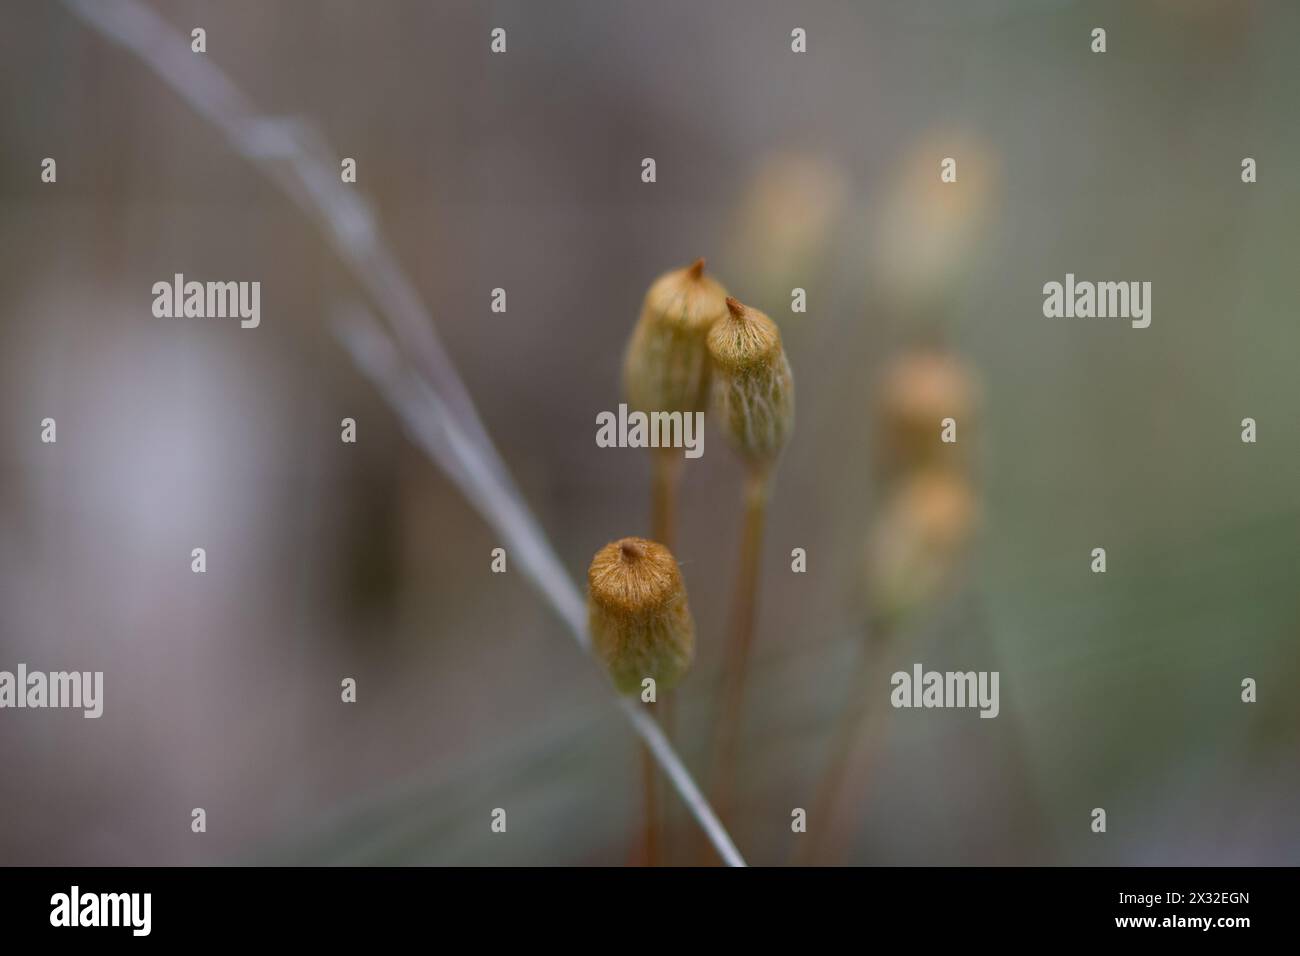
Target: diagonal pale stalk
<point>431,400</point>
<point>740,638</point>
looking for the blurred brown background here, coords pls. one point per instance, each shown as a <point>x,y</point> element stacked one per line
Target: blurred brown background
<point>817,170</point>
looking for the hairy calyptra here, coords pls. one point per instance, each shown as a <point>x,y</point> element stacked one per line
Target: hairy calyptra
<point>640,622</point>
<point>666,368</point>
<point>753,389</point>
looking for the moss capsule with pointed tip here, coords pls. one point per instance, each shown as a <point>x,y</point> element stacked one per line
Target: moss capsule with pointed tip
<point>753,388</point>
<point>638,615</point>
<point>666,368</point>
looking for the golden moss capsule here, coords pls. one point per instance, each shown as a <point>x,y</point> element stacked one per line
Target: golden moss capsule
<point>638,615</point>
<point>753,389</point>
<point>666,367</point>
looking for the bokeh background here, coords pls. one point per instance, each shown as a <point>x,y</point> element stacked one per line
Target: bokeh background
<point>817,170</point>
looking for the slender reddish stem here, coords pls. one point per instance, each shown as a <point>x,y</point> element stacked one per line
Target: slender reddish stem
<point>740,639</point>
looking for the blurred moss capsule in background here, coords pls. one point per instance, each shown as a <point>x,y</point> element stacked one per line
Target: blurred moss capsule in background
<point>918,543</point>
<point>918,391</point>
